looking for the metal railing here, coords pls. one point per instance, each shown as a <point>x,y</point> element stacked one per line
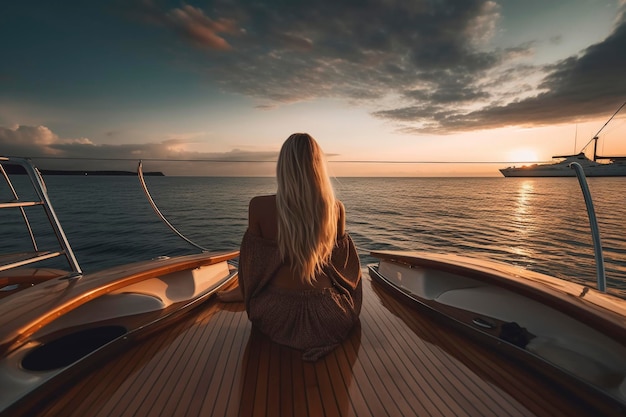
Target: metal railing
<point>40,189</point>
<point>593,223</point>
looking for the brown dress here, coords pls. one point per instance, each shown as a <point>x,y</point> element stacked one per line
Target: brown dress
<point>312,320</point>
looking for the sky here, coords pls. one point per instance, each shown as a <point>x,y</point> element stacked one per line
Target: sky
<point>387,87</point>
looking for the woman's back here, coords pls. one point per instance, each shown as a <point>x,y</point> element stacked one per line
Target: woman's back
<point>263,222</point>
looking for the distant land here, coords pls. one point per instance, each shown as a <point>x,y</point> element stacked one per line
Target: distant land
<point>16,169</point>
<point>118,173</point>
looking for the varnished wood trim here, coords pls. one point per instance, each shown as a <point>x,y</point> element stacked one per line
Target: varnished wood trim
<point>602,312</point>
<point>33,308</point>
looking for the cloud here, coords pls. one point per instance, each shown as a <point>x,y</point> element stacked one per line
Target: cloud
<point>426,65</point>
<point>52,152</point>
<point>577,88</point>
<point>170,156</point>
<point>190,23</point>
<point>288,52</point>
<point>21,140</point>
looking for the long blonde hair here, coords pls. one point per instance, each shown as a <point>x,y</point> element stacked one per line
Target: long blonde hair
<point>306,206</point>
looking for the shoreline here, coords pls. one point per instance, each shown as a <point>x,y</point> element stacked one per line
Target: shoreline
<point>16,169</point>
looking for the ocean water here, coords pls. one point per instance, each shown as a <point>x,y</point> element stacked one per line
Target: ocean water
<point>540,224</point>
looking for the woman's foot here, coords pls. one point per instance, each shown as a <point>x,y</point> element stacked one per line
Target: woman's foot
<point>233,295</point>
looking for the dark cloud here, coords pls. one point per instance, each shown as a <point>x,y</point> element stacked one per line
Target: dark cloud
<point>291,51</point>
<point>575,89</point>
<point>429,54</point>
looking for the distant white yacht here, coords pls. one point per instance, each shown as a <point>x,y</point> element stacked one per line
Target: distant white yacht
<point>615,167</point>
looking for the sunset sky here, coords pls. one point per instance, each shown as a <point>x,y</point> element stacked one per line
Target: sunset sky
<point>408,81</point>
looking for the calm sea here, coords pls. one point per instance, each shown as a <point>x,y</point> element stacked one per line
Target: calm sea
<point>539,224</point>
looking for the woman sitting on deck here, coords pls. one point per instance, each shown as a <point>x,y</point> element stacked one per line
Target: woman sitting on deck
<point>299,272</point>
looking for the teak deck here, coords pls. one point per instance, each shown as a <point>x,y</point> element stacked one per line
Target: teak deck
<point>398,363</point>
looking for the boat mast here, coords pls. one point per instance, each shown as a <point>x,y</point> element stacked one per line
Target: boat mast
<point>595,137</point>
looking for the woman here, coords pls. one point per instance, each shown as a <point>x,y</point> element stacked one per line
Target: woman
<point>299,272</point>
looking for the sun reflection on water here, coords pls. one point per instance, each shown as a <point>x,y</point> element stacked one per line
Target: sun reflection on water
<point>524,205</point>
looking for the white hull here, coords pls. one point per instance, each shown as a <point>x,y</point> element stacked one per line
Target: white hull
<point>616,168</point>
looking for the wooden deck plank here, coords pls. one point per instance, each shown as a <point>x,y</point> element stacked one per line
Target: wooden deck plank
<point>337,384</point>
<point>443,388</point>
<point>487,368</point>
<point>422,360</point>
<point>149,384</point>
<point>130,380</point>
<point>522,386</point>
<point>312,391</point>
<point>362,380</point>
<point>273,379</point>
<point>463,396</point>
<point>221,395</point>
<point>379,376</point>
<point>392,373</point>
<point>101,399</point>
<point>331,407</point>
<point>297,374</point>
<point>230,395</point>
<point>445,337</point>
<point>158,397</point>
<point>209,358</point>
<point>286,383</point>
<point>148,381</point>
<point>498,404</point>
<point>203,383</point>
<point>203,351</point>
<point>156,388</point>
<point>531,394</point>
<point>249,375</point>
<point>262,378</point>
<point>398,362</point>
<point>345,362</point>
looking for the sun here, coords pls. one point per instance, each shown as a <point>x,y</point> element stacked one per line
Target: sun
<point>523,155</point>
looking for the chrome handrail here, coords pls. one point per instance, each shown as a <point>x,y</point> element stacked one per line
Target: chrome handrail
<point>593,223</point>
<point>40,188</point>
<point>158,212</point>
<point>22,211</point>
